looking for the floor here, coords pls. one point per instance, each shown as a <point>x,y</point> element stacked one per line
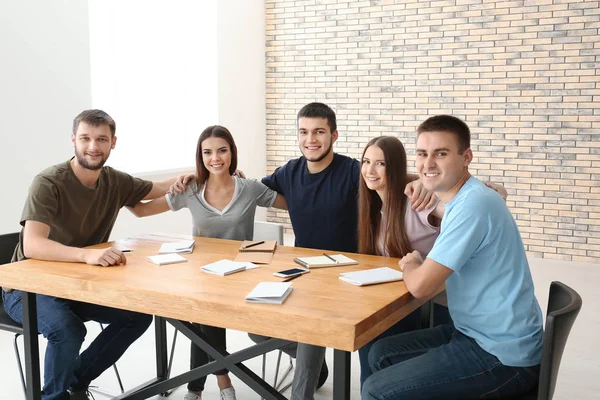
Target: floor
<point>578,379</point>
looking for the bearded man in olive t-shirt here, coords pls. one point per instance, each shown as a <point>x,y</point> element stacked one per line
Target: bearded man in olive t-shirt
<point>72,205</point>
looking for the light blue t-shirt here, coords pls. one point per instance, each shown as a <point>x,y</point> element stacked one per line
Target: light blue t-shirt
<point>490,293</point>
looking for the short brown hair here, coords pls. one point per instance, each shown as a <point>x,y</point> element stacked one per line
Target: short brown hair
<point>220,132</point>
<point>95,118</point>
<point>448,123</point>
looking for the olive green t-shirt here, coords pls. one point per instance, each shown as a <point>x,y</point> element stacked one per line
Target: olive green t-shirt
<point>77,215</point>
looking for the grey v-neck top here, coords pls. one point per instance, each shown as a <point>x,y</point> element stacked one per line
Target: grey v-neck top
<point>235,221</point>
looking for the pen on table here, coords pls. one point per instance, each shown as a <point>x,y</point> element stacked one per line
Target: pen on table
<point>291,277</point>
<point>331,258</point>
<point>126,251</point>
<point>252,244</point>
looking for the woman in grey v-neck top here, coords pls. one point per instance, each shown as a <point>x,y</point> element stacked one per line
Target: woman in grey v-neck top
<point>236,220</point>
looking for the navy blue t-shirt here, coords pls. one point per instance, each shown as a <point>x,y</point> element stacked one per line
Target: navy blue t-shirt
<point>323,207</point>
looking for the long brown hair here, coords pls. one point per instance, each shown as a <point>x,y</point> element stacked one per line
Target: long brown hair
<point>370,205</point>
<point>220,132</point>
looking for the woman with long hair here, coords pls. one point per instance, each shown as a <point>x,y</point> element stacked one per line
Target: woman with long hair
<point>222,205</point>
<point>389,226</point>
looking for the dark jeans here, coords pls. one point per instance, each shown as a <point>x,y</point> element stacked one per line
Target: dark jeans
<point>198,357</point>
<point>62,324</point>
<point>441,363</point>
<point>441,315</point>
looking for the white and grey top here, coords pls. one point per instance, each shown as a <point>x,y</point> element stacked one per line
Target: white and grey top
<point>236,220</point>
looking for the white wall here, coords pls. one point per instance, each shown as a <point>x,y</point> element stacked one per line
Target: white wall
<point>241,86</point>
<point>44,84</point>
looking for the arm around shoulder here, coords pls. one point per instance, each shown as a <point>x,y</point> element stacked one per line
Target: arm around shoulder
<point>153,207</point>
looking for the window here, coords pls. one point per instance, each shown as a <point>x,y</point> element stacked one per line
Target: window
<point>154,70</point>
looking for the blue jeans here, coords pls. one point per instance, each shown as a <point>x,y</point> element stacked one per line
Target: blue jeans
<point>441,363</point>
<point>441,315</point>
<point>62,324</point>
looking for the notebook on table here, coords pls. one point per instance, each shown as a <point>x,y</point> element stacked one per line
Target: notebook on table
<point>333,260</point>
<point>227,267</point>
<point>183,247</point>
<point>165,259</point>
<point>256,251</point>
<point>372,276</point>
<point>270,292</point>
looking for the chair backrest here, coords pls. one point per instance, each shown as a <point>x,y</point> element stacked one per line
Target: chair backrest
<point>563,306</point>
<point>268,231</point>
<point>8,243</point>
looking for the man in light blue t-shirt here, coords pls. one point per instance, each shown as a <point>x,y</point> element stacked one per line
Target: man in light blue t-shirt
<point>493,350</point>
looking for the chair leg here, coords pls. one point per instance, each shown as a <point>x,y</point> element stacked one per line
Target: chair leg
<point>18,356</point>
<point>289,369</point>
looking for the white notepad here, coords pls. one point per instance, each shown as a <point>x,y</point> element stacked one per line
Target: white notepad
<point>226,267</point>
<point>165,259</point>
<point>183,247</point>
<point>322,261</point>
<point>270,292</point>
<point>372,276</point>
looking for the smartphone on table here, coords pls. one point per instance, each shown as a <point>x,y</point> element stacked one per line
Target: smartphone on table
<point>291,272</point>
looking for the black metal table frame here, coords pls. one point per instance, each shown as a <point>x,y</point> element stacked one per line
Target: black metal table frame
<point>161,384</point>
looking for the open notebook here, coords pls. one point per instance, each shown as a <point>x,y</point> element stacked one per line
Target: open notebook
<point>324,261</point>
<point>372,276</point>
<point>270,292</point>
<point>227,267</point>
<point>252,252</point>
<point>183,247</point>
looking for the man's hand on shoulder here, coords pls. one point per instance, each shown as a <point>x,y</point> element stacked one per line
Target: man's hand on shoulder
<point>104,257</point>
<point>180,183</point>
<point>420,198</point>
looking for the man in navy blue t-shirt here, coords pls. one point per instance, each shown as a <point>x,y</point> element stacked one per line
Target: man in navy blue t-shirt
<point>320,188</point>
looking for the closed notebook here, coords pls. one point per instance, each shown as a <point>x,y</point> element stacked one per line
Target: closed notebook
<point>165,259</point>
<point>323,261</point>
<point>372,276</point>
<point>270,292</point>
<point>259,254</point>
<point>226,267</point>
<point>183,247</point>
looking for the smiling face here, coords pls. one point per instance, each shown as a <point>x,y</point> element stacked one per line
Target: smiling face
<point>315,138</point>
<point>373,170</point>
<point>92,145</point>
<point>216,155</point>
<point>440,165</point>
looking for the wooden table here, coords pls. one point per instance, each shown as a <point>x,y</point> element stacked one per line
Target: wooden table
<point>321,310</point>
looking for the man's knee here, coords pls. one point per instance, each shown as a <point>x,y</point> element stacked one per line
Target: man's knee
<point>60,330</point>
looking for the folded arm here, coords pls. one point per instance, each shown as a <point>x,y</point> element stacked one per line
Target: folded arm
<point>36,244</point>
<point>423,278</point>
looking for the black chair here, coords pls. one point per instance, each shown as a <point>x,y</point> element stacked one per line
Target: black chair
<point>563,306</point>
<point>8,242</point>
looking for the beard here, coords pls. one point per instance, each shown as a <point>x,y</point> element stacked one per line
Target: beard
<point>322,156</point>
<point>88,165</point>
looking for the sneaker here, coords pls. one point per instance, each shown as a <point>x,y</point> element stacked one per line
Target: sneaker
<point>192,396</point>
<point>323,375</point>
<point>228,393</point>
<point>81,395</point>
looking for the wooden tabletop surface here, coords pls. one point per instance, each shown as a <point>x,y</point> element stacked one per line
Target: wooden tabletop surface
<point>321,310</point>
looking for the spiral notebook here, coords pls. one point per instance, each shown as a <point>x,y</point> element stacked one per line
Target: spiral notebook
<point>256,252</point>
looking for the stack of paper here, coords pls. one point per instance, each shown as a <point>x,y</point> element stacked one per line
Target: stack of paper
<point>183,247</point>
<point>372,276</point>
<point>270,292</point>
<point>226,267</point>
<point>324,261</point>
<point>165,259</point>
